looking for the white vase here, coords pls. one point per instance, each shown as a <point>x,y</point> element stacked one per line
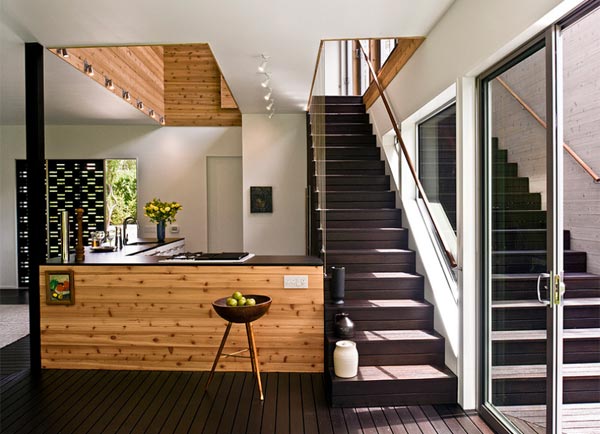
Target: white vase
<point>345,359</point>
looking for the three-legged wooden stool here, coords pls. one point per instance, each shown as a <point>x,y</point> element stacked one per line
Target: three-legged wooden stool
<point>245,315</point>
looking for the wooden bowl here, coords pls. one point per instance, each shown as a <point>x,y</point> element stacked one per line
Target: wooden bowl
<point>242,314</point>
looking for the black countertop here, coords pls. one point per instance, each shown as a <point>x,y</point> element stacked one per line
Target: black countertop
<point>130,255</point>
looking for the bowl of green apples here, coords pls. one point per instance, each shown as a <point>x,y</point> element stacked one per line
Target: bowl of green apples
<point>240,308</point>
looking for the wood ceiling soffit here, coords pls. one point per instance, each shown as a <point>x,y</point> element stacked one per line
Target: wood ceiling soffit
<point>227,99</point>
<point>138,70</point>
<point>193,88</point>
<point>402,53</point>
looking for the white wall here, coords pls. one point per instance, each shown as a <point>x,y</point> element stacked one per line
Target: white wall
<point>171,165</point>
<point>469,38</point>
<point>274,154</point>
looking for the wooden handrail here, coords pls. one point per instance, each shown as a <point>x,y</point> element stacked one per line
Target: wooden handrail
<point>540,121</point>
<point>411,166</point>
<point>312,85</point>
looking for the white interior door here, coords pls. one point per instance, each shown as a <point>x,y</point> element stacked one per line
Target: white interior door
<point>224,203</point>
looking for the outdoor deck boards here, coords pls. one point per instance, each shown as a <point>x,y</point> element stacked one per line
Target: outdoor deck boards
<point>173,402</point>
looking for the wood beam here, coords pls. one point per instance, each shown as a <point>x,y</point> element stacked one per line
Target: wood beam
<point>36,171</point>
<point>402,53</point>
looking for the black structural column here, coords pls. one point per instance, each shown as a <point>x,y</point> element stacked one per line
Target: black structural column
<point>36,175</point>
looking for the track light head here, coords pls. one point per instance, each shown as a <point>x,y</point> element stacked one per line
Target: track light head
<point>271,114</point>
<point>268,95</point>
<point>270,105</point>
<point>88,69</point>
<point>266,81</point>
<point>162,120</point>
<point>140,105</point>
<point>126,96</point>
<point>109,83</point>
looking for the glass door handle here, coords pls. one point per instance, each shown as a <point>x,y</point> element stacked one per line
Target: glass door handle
<point>539,297</point>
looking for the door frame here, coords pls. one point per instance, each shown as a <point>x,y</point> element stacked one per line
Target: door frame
<point>549,40</point>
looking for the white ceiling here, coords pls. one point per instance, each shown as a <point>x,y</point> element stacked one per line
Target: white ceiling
<point>238,31</point>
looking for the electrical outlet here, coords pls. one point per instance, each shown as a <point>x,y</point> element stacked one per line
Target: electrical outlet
<point>174,229</point>
<point>295,282</point>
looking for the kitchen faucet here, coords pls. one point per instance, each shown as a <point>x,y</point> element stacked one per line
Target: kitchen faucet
<point>125,235</point>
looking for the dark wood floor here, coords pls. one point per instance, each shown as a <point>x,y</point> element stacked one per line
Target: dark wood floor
<point>77,401</point>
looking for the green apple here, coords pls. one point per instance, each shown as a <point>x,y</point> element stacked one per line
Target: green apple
<point>231,302</point>
<point>250,302</point>
<point>242,301</point>
<point>237,295</point>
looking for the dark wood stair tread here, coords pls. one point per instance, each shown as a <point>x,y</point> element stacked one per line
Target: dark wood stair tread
<point>507,304</point>
<point>379,304</point>
<point>392,335</point>
<point>537,335</point>
<point>570,370</point>
<point>398,373</point>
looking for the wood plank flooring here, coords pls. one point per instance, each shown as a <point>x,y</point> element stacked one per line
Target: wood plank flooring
<point>78,401</point>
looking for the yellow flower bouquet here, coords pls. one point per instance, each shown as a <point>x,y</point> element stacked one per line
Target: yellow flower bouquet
<point>158,211</point>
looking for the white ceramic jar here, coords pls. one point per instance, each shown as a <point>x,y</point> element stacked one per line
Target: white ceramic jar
<point>345,359</point>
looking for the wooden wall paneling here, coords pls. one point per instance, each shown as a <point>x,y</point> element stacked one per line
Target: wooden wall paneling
<point>193,88</point>
<point>139,70</point>
<point>161,317</point>
<point>395,62</point>
<point>227,100</point>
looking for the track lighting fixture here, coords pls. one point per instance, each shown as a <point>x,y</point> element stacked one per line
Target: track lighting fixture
<point>109,83</point>
<point>268,95</point>
<point>62,52</point>
<point>271,114</point>
<point>162,120</point>
<point>140,105</point>
<point>126,95</point>
<point>88,69</point>
<point>266,81</point>
<point>270,105</point>
<point>263,65</point>
<point>151,113</point>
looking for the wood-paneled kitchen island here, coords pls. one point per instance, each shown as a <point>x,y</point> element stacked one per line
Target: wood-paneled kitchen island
<point>134,312</point>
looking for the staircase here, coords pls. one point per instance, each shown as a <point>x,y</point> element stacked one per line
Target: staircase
<point>401,356</point>
<point>518,320</point>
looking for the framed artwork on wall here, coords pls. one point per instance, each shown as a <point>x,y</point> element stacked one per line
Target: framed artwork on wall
<point>60,288</point>
<point>261,199</point>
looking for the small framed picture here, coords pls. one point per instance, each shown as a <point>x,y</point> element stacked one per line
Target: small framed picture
<point>60,288</point>
<point>261,199</point>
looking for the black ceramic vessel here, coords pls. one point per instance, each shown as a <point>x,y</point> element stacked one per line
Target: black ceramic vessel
<point>344,326</point>
<point>337,284</point>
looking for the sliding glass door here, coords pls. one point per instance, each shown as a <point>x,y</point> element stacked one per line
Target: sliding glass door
<point>520,246</point>
<point>541,261</point>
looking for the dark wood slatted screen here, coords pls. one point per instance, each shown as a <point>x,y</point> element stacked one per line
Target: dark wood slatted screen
<point>70,184</point>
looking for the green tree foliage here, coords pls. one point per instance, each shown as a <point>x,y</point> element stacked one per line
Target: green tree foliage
<point>121,190</point>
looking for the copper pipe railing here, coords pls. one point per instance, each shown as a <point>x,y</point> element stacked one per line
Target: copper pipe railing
<point>409,161</point>
<point>540,121</point>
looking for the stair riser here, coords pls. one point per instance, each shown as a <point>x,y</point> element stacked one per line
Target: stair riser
<point>357,153</point>
<point>505,170</point>
<point>349,140</point>
<point>336,128</point>
<point>374,268</point>
<point>514,185</point>
<point>362,215</point>
<point>534,352</point>
<point>346,224</point>
<point>533,391</point>
<point>361,205</point>
<point>519,220</point>
<point>422,387</point>
<point>416,398</point>
<point>352,171</point>
<point>535,318</point>
<point>356,187</point>
<point>337,99</point>
<point>397,353</point>
<point>422,313</point>
<point>367,235</point>
<point>383,294</point>
<point>378,244</point>
<point>518,263</point>
<point>357,258</point>
<point>349,118</point>
<point>524,240</point>
<point>521,201</point>
<point>333,181</point>
<point>355,165</point>
<point>392,284</point>
<point>337,108</point>
<point>360,196</point>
